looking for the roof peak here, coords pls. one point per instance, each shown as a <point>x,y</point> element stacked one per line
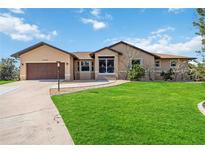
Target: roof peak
<point>133,46</point>
<point>17,54</point>
<point>108,49</point>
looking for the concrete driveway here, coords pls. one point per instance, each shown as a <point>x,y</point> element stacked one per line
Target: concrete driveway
<point>28,115</point>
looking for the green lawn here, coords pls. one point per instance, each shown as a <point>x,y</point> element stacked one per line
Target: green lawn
<point>6,81</point>
<point>135,113</point>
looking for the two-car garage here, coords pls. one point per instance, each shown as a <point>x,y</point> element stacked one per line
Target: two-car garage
<point>40,62</point>
<point>35,71</point>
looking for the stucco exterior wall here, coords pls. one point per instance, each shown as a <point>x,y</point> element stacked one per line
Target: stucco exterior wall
<point>83,75</point>
<point>104,76</point>
<point>46,54</point>
<point>129,53</point>
<point>71,64</point>
<point>165,65</point>
<point>76,71</point>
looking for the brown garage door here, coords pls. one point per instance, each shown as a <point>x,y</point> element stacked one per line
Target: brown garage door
<point>37,71</point>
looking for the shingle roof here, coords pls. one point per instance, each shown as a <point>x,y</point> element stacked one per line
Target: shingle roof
<point>83,55</point>
<point>169,56</point>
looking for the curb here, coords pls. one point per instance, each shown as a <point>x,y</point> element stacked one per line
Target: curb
<point>9,89</point>
<point>201,108</point>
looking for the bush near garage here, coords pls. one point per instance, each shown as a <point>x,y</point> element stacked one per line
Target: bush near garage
<point>8,69</point>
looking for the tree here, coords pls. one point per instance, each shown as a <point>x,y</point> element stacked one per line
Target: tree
<point>127,61</point>
<point>181,71</point>
<point>198,71</point>
<point>136,72</point>
<point>200,24</point>
<point>8,69</point>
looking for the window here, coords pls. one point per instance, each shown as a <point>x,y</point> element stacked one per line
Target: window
<point>157,63</point>
<point>85,66</point>
<point>102,65</point>
<point>173,63</point>
<point>110,65</point>
<point>137,61</point>
<point>106,64</point>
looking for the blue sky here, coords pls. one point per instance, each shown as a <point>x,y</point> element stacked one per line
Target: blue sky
<point>156,30</point>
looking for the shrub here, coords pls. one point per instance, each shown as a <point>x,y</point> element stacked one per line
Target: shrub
<point>8,69</point>
<point>169,75</point>
<point>136,72</point>
<point>197,72</point>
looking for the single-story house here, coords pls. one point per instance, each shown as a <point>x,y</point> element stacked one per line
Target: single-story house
<point>113,62</point>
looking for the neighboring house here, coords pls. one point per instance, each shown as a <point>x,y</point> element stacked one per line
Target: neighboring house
<point>113,62</point>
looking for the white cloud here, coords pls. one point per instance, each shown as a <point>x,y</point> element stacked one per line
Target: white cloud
<point>18,29</point>
<point>163,43</point>
<point>108,16</point>
<point>97,25</point>
<point>96,18</point>
<point>162,30</point>
<point>175,10</point>
<point>16,10</point>
<point>98,14</point>
<point>95,12</point>
<point>80,10</point>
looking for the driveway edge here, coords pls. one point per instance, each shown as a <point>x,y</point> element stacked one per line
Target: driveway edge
<point>59,121</point>
<point>54,91</point>
<point>201,108</point>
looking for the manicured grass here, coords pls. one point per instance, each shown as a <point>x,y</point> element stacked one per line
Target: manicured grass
<point>135,113</point>
<point>6,81</point>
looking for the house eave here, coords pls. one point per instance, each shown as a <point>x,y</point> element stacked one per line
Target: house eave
<point>21,52</point>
